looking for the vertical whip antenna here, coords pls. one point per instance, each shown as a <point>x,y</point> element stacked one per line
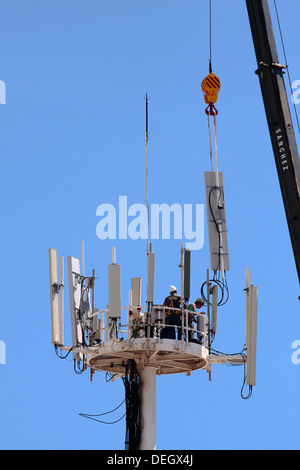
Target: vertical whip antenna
<point>146,158</point>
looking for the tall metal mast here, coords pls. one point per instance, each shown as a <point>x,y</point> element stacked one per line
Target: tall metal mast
<point>278,115</point>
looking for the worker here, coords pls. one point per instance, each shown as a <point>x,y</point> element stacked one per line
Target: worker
<point>173,317</point>
<point>199,303</point>
<point>200,321</point>
<point>192,316</point>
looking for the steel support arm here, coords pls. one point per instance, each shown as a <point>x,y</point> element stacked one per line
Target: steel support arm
<point>278,115</point>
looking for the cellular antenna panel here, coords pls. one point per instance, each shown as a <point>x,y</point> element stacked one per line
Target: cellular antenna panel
<point>214,308</point>
<point>136,292</point>
<point>75,297</point>
<point>251,327</point>
<point>150,276</point>
<point>216,221</point>
<point>114,290</point>
<point>54,295</point>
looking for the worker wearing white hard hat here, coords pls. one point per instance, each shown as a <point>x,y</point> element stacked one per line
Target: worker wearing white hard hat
<point>173,315</point>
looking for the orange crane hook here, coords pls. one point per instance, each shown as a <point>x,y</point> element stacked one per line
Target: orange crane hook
<point>211,86</point>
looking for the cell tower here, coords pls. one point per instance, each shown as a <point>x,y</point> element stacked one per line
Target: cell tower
<point>132,346</point>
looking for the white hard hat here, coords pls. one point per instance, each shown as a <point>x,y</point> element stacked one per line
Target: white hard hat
<point>172,289</point>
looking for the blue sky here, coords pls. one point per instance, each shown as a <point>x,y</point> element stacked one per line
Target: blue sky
<point>72,138</point>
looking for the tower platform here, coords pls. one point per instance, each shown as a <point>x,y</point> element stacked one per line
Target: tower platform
<point>168,356</point>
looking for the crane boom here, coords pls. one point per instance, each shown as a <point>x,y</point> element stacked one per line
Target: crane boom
<point>278,115</point>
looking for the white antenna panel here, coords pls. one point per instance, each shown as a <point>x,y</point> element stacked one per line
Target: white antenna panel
<point>61,292</point>
<point>136,292</point>
<point>150,276</point>
<point>75,296</point>
<point>214,309</point>
<point>201,325</point>
<point>216,217</point>
<point>95,320</point>
<point>82,258</point>
<point>97,326</point>
<point>114,291</point>
<point>251,329</point>
<point>100,332</point>
<point>54,299</point>
<point>130,298</point>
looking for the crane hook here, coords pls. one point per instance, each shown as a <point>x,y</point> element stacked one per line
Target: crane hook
<point>211,86</point>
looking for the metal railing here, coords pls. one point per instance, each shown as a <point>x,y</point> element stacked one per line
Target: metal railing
<point>149,323</point>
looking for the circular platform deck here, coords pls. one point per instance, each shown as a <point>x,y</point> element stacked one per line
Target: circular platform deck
<point>167,355</point>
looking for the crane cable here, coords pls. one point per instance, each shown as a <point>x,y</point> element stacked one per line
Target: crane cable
<point>210,87</point>
<point>210,41</point>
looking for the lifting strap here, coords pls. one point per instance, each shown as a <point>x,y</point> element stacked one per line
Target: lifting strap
<point>216,148</point>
